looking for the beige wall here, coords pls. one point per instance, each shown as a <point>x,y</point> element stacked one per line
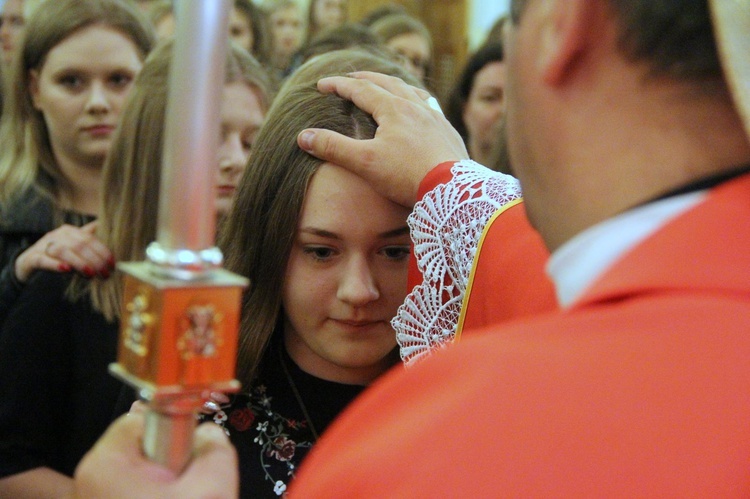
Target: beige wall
<point>482,15</point>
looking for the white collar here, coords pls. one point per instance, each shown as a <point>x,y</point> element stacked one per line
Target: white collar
<point>575,265</point>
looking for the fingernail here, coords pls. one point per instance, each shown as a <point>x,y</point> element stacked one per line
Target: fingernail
<point>305,140</point>
<point>111,262</point>
<point>212,406</point>
<point>88,271</point>
<point>63,267</point>
<point>220,397</point>
<point>104,273</point>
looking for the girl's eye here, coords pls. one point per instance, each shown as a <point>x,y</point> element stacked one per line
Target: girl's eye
<point>320,253</point>
<point>490,98</point>
<point>396,252</point>
<point>71,82</point>
<point>120,80</point>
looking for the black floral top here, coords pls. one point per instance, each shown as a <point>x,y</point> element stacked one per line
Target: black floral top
<point>268,427</point>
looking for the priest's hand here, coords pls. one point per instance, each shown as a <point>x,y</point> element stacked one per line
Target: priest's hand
<point>413,136</point>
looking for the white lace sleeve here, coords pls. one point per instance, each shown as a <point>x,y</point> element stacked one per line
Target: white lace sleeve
<point>446,226</point>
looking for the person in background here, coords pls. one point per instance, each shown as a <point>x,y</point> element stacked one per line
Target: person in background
<point>475,106</point>
<point>12,22</point>
<point>247,97</point>
<point>348,35</point>
<point>379,12</point>
<point>408,38</point>
<point>286,26</point>
<point>323,15</point>
<point>62,333</point>
<point>64,104</point>
<point>74,70</point>
<point>13,19</point>
<point>248,28</point>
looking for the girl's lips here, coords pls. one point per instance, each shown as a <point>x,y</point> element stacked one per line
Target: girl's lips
<point>356,324</point>
<point>99,130</point>
<point>226,190</point>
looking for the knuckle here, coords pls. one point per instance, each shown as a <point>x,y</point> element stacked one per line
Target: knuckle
<point>328,148</point>
<point>368,158</point>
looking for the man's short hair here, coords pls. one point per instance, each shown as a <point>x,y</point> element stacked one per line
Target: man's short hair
<point>675,36</point>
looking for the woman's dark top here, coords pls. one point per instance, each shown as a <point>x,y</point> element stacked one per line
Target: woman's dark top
<point>268,427</point>
<point>56,395</point>
<point>22,224</point>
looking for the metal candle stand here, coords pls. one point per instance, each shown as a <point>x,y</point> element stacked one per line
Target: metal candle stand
<point>180,310</point>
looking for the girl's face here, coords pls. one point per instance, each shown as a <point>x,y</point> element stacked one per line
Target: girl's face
<point>414,52</point>
<point>286,26</point>
<point>240,30</point>
<point>80,91</point>
<point>11,28</point>
<point>241,118</point>
<point>345,279</point>
<point>329,13</point>
<point>485,107</point>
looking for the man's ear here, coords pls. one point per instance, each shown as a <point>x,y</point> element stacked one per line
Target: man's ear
<point>34,87</point>
<point>567,33</point>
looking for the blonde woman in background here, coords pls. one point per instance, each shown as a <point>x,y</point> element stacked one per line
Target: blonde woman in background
<point>73,73</point>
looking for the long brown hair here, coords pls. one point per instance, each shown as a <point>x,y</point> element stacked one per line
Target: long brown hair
<point>258,235</point>
<point>132,172</point>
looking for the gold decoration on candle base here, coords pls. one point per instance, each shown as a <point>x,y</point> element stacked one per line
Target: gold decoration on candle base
<point>137,329</point>
<point>197,324</point>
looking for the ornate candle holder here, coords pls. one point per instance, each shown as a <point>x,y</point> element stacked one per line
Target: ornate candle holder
<point>180,311</point>
<point>178,342</point>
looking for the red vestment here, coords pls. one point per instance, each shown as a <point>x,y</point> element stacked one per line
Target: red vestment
<point>639,389</point>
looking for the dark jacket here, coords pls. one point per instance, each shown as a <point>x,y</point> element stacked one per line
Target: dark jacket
<point>21,225</point>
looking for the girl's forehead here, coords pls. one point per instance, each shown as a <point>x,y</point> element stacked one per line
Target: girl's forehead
<point>336,197</point>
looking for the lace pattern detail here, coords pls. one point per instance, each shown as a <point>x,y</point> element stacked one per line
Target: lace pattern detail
<point>446,226</point>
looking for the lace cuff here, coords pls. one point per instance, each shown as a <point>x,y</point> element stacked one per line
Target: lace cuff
<point>446,226</point>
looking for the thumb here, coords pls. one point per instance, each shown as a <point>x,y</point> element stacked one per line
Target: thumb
<point>332,147</point>
<point>213,467</point>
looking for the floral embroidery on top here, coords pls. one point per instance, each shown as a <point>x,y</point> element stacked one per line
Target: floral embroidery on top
<point>446,227</point>
<point>277,438</point>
